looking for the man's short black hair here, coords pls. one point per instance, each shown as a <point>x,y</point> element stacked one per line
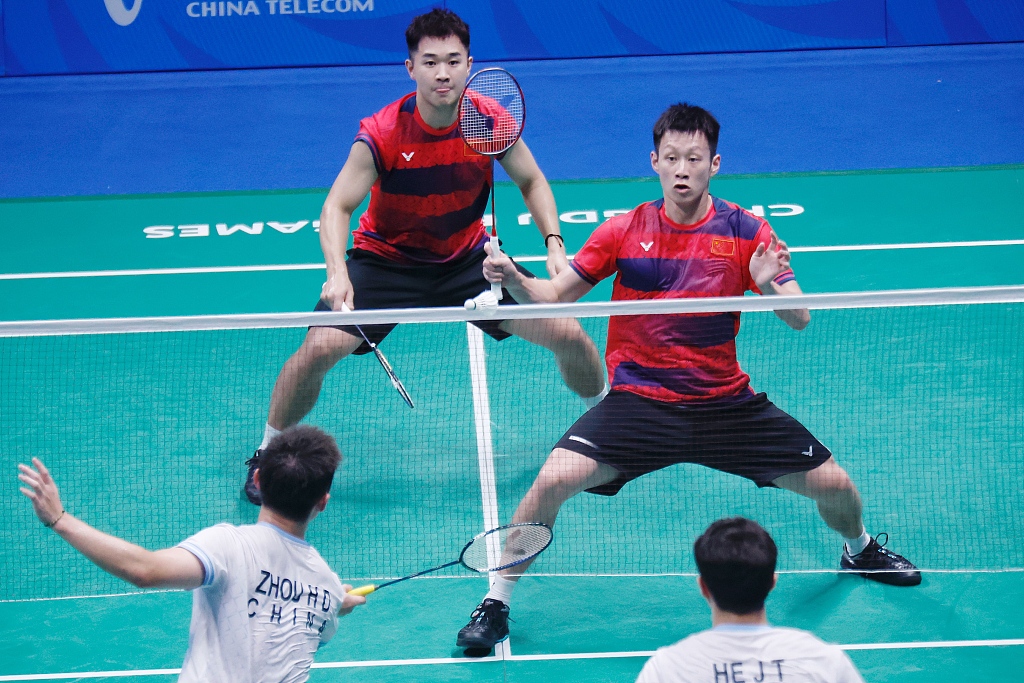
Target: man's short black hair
<point>296,470</point>
<point>736,558</point>
<point>687,118</point>
<point>437,23</point>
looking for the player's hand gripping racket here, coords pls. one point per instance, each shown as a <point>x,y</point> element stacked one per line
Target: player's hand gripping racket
<point>492,113</point>
<point>395,382</point>
<point>491,551</point>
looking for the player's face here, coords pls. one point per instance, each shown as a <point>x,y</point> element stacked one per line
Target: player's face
<point>685,166</point>
<point>440,67</point>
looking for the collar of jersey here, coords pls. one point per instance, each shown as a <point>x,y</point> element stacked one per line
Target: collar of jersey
<point>692,226</point>
<point>294,539</point>
<point>425,126</point>
<point>745,628</point>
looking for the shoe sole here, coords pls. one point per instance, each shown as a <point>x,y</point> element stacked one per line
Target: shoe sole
<point>480,644</point>
<point>889,578</point>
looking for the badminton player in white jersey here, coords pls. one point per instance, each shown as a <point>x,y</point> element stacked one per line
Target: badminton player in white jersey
<point>736,560</point>
<point>263,598</point>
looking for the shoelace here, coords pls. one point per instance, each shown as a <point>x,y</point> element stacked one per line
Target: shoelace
<point>492,610</point>
<point>885,552</point>
<point>254,460</point>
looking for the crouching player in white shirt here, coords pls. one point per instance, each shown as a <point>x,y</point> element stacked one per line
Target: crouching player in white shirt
<point>263,598</point>
<point>736,560</point>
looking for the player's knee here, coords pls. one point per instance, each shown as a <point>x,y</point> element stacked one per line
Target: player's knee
<point>832,481</point>
<point>324,350</point>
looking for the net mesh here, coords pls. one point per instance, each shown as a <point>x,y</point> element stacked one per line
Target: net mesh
<point>146,433</point>
<point>492,112</point>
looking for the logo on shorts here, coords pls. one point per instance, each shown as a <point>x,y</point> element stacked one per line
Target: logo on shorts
<point>583,441</point>
<point>121,15</point>
<point>809,452</point>
<point>408,157</point>
<point>723,247</point>
<point>647,245</point>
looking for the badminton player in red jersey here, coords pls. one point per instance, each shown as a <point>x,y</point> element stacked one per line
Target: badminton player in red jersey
<point>678,394</point>
<point>420,242</point>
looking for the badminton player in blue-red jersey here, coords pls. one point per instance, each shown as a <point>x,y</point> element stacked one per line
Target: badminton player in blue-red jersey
<point>420,241</point>
<point>678,394</point>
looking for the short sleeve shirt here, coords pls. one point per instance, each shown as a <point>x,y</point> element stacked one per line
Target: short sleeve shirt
<point>431,190</point>
<point>750,653</point>
<point>267,602</point>
<point>686,357</point>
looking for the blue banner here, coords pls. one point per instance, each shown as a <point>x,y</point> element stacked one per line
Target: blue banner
<point>950,22</point>
<point>91,36</point>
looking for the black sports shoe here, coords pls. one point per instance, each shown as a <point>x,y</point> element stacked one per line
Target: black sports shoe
<point>487,625</point>
<point>878,564</point>
<point>251,492</point>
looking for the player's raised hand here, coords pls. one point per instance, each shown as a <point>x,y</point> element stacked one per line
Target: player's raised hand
<point>350,601</point>
<point>337,292</point>
<point>498,267</point>
<point>769,261</point>
<point>42,491</point>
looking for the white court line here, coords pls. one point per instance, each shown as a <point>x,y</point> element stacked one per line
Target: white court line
<point>923,645</point>
<point>520,259</point>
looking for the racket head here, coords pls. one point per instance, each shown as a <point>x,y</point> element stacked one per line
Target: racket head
<point>515,544</point>
<point>492,111</point>
<point>395,382</point>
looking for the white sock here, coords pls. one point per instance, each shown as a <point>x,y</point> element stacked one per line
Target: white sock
<point>268,434</point>
<point>594,400</point>
<point>501,590</point>
<point>855,545</point>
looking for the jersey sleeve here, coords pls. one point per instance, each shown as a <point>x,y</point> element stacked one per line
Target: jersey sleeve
<point>846,672</point>
<point>371,134</point>
<point>597,259</point>
<point>651,673</point>
<point>215,548</point>
<point>330,625</point>
<point>763,236</point>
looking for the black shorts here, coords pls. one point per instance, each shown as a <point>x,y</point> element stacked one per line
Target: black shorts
<point>380,283</point>
<point>637,435</point>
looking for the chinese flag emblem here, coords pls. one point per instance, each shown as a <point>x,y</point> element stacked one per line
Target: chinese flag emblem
<point>723,247</point>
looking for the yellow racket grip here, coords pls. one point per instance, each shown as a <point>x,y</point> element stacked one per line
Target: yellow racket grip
<point>363,590</point>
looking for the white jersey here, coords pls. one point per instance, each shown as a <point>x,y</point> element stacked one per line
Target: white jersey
<point>735,653</point>
<point>267,602</point>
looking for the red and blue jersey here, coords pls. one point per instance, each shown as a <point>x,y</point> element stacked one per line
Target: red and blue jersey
<point>431,191</point>
<point>685,357</point>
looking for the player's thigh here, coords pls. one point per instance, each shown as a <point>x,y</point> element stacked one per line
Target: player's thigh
<point>829,478</point>
<point>551,333</point>
<point>566,473</point>
<point>326,346</point>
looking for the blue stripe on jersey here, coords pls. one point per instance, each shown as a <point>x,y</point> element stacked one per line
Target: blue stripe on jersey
<point>732,222</point>
<point>368,141</point>
<point>409,106</point>
<point>687,381</point>
<point>583,274</point>
<point>670,275</point>
<point>701,331</point>
<point>422,182</point>
<point>443,227</point>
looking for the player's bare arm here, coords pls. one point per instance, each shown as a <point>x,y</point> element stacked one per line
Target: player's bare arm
<point>347,193</point>
<point>169,568</point>
<point>522,168</point>
<point>565,287</point>
<point>765,265</point>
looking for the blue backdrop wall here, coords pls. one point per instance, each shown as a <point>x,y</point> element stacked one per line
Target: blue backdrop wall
<point>93,36</point>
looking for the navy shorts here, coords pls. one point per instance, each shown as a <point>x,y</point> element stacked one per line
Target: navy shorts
<point>751,438</point>
<point>380,283</point>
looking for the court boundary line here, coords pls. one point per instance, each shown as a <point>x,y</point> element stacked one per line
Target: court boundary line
<point>575,575</point>
<point>200,270</point>
<point>920,645</point>
<point>485,453</point>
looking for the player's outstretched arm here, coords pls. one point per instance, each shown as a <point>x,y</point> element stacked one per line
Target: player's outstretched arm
<point>170,568</point>
<point>522,168</point>
<point>766,264</point>
<point>567,286</point>
<point>347,193</point>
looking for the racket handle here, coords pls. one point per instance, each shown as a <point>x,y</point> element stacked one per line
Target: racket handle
<point>363,590</point>
<point>495,248</point>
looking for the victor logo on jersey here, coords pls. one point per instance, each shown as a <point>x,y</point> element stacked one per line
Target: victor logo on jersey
<point>407,157</point>
<point>647,245</point>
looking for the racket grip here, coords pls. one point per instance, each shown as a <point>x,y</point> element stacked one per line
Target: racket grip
<point>495,248</point>
<point>363,590</point>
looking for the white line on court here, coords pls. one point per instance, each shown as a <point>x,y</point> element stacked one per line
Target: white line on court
<point>520,259</point>
<point>923,645</point>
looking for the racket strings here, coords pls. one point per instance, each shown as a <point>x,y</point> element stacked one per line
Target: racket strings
<point>514,545</point>
<point>493,112</point>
